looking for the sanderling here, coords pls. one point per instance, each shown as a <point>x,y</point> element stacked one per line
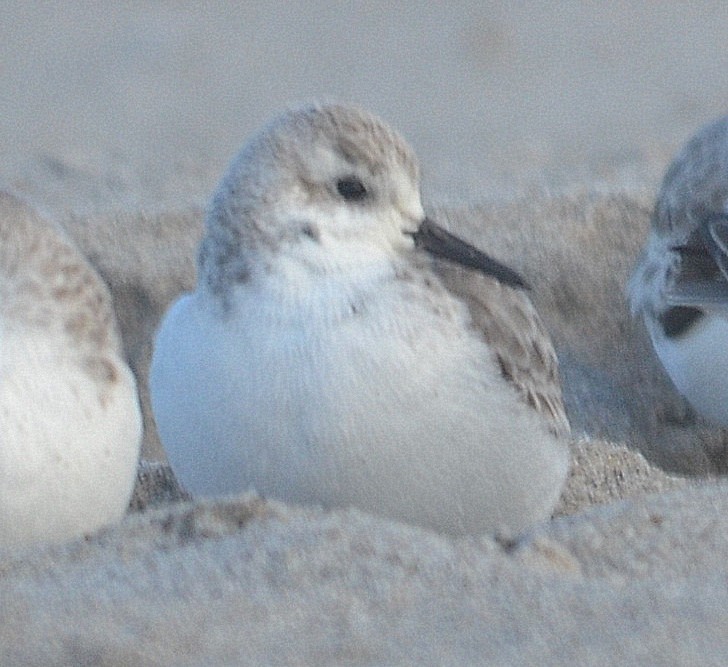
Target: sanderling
<point>680,283</point>
<point>69,415</point>
<point>341,349</point>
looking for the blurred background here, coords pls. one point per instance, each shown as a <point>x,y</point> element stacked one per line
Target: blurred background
<point>123,110</point>
<point>145,102</point>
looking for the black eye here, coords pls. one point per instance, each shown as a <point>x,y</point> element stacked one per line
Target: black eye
<point>351,188</point>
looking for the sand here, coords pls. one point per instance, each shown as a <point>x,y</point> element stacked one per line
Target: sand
<point>631,568</point>
<point>543,136</point>
<point>253,582</point>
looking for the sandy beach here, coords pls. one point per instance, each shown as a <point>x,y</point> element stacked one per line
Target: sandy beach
<point>543,134</point>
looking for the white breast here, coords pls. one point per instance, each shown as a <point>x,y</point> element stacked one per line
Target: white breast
<point>697,363</point>
<point>67,458</point>
<point>386,401</point>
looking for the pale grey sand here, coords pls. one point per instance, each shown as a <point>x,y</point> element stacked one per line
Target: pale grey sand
<point>544,136</point>
<point>635,579</point>
<point>603,472</point>
<point>249,582</point>
<point>260,582</point>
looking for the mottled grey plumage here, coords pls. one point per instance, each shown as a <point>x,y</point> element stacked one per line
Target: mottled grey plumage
<point>336,352</point>
<point>516,336</point>
<point>70,425</point>
<point>680,283</point>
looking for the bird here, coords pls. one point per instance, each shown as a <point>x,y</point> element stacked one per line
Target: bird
<point>70,423</point>
<point>343,350</point>
<point>679,285</point>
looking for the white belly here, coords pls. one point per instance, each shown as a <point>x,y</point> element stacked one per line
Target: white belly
<point>67,462</point>
<point>697,363</point>
<point>397,411</point>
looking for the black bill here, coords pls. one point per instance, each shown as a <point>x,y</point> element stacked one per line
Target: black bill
<point>440,243</point>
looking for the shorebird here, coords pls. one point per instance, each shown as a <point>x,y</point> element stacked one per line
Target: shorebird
<point>70,425</point>
<point>680,283</point>
<point>342,349</point>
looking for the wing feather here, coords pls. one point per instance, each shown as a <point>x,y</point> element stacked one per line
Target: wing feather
<point>516,335</point>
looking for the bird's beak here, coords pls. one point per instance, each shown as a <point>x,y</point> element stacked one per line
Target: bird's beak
<point>440,243</point>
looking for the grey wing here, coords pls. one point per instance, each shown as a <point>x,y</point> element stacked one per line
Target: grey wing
<point>516,335</point>
<point>701,278</point>
<point>699,294</point>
